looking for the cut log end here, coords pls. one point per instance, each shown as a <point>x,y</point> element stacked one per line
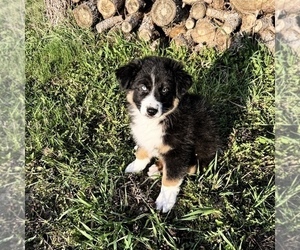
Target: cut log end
<point>109,8</point>
<point>190,23</point>
<point>204,32</point>
<point>163,12</point>
<point>84,16</point>
<point>198,10</point>
<point>133,6</point>
<point>131,22</point>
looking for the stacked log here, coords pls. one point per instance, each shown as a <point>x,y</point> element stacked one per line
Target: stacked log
<point>191,23</point>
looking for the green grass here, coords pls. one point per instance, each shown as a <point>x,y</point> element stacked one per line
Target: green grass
<point>78,144</point>
<point>287,149</point>
<point>12,123</point>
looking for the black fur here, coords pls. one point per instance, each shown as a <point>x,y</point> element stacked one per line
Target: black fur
<point>190,129</point>
<point>192,133</point>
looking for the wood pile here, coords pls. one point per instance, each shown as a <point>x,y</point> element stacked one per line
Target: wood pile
<point>288,23</point>
<point>191,23</point>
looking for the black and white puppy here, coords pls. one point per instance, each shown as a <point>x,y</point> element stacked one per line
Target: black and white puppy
<point>167,123</point>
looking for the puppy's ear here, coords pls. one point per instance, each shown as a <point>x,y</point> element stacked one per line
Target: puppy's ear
<point>126,74</point>
<point>182,79</point>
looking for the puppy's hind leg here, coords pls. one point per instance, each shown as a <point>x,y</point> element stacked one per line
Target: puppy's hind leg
<point>140,162</point>
<point>156,169</point>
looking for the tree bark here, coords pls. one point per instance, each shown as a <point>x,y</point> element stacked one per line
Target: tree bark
<point>147,31</point>
<point>232,19</point>
<point>108,23</point>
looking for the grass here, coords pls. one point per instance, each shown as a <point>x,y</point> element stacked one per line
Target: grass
<point>12,123</point>
<point>287,149</point>
<point>78,144</point>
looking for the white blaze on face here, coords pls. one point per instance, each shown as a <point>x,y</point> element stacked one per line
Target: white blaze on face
<point>150,102</point>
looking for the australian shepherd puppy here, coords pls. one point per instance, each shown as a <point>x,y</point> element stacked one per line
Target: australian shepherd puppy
<point>167,123</point>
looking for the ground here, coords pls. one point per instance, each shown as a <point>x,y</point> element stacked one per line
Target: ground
<point>78,144</point>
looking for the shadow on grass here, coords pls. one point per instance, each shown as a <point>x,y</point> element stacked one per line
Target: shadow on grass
<point>230,85</point>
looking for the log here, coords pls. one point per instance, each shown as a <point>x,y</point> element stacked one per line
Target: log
<point>198,10</point>
<point>288,6</point>
<point>292,38</point>
<point>190,23</point>
<point>204,32</point>
<point>85,15</point>
<point>218,4</point>
<point>222,40</point>
<point>191,2</point>
<point>108,23</point>
<point>253,6</point>
<point>175,30</point>
<point>147,30</point>
<point>289,22</point>
<point>248,22</point>
<point>133,6</point>
<point>165,12</point>
<point>264,23</point>
<point>183,39</point>
<point>232,19</point>
<point>180,41</point>
<point>109,8</point>
<point>268,38</point>
<point>231,23</point>
<point>131,22</point>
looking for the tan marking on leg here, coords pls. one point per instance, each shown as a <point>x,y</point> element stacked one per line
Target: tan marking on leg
<point>192,169</point>
<point>141,154</point>
<point>167,182</point>
<point>159,165</point>
<point>164,148</point>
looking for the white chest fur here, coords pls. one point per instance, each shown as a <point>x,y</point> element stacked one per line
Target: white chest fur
<point>147,132</point>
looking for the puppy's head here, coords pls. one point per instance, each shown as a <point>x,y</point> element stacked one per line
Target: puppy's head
<point>154,84</point>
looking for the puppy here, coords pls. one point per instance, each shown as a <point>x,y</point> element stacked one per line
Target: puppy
<point>167,123</point>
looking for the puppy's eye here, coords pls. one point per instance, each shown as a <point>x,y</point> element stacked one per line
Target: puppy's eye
<point>143,88</point>
<point>164,90</point>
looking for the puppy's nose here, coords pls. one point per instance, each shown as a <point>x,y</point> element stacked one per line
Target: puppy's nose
<point>151,111</point>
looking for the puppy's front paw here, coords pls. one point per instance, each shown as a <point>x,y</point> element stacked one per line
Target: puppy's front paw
<point>137,165</point>
<point>166,198</point>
